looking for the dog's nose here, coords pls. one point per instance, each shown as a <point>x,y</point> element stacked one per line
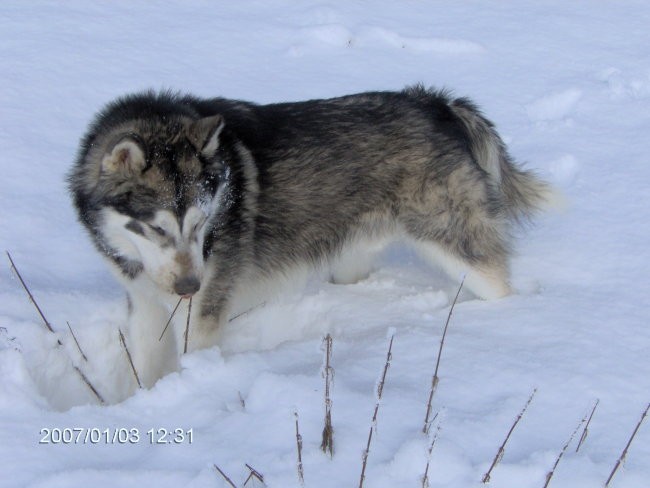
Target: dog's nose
<point>186,287</point>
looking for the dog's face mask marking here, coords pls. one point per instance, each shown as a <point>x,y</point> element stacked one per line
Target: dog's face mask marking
<point>169,248</point>
<point>166,184</point>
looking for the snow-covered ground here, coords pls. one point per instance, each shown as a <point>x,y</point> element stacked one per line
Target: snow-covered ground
<point>568,85</point>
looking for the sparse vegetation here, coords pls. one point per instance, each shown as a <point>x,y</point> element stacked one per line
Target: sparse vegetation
<point>373,425</point>
<point>585,431</point>
<point>434,438</point>
<point>187,325</point>
<point>550,474</point>
<point>171,316</point>
<point>301,473</point>
<point>48,326</point>
<point>435,379</point>
<point>129,359</point>
<point>502,447</point>
<point>623,455</point>
<point>327,443</point>
<point>327,433</point>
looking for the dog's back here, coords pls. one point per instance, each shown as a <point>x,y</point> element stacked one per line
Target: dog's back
<point>360,167</point>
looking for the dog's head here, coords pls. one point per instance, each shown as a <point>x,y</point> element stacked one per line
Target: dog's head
<point>148,189</point>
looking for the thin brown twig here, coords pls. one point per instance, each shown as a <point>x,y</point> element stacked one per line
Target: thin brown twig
<point>235,317</point>
<point>621,458</point>
<point>187,325</point>
<point>501,451</point>
<point>425,478</point>
<point>83,377</point>
<point>327,443</point>
<point>254,474</point>
<point>373,425</point>
<point>225,476</point>
<point>301,472</point>
<point>242,402</point>
<point>90,385</point>
<point>29,294</point>
<point>585,431</point>
<point>128,356</point>
<point>76,342</point>
<point>435,379</point>
<point>169,321</point>
<point>550,474</point>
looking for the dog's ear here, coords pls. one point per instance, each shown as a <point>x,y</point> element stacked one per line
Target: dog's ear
<point>204,134</point>
<point>126,155</point>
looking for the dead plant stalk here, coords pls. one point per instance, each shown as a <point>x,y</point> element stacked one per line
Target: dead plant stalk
<point>550,474</point>
<point>501,451</point>
<point>29,294</point>
<point>171,316</point>
<point>254,474</point>
<point>435,379</point>
<point>327,443</point>
<point>585,431</point>
<point>130,359</point>
<point>425,478</point>
<point>187,325</point>
<point>76,342</point>
<point>373,425</point>
<point>301,473</point>
<point>228,480</point>
<point>623,455</point>
<point>83,377</point>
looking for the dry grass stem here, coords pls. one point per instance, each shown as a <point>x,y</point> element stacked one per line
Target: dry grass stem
<point>169,321</point>
<point>435,379</point>
<point>550,474</point>
<point>585,431</point>
<point>501,451</point>
<point>242,402</point>
<point>621,458</point>
<point>228,480</point>
<point>254,474</point>
<point>373,425</point>
<point>29,294</point>
<point>128,356</point>
<point>235,317</point>
<point>85,379</point>
<point>77,342</point>
<point>187,325</point>
<point>301,473</point>
<point>425,478</point>
<point>327,443</point>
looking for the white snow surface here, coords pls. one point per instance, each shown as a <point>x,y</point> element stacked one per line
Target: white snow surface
<point>568,86</point>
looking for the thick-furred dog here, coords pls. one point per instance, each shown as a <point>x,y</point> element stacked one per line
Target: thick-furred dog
<point>201,198</point>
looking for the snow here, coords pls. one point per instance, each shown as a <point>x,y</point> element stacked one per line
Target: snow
<point>568,85</point>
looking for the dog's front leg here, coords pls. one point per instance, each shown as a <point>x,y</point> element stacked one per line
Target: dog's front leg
<point>153,356</point>
<point>208,317</point>
<point>211,305</point>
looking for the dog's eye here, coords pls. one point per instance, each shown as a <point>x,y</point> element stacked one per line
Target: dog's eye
<point>135,227</point>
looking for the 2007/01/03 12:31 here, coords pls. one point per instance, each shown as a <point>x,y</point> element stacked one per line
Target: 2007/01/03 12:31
<point>123,435</point>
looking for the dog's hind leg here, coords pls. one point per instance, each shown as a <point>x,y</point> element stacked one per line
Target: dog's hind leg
<point>486,281</point>
<point>460,226</point>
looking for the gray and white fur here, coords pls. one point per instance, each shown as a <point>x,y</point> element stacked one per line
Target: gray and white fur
<point>204,197</point>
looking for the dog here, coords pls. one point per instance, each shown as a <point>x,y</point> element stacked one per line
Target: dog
<point>190,197</point>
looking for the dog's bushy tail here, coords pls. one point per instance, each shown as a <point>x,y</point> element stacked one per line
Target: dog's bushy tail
<point>524,193</point>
